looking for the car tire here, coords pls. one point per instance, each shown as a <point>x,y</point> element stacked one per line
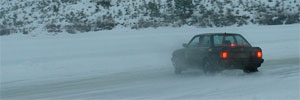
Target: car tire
<point>178,71</point>
<point>178,64</point>
<point>250,70</point>
<point>210,67</point>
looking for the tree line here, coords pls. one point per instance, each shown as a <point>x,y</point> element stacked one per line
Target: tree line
<point>56,16</point>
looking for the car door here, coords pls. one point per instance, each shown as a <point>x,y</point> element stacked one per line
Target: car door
<point>197,49</point>
<point>191,49</point>
<point>204,49</point>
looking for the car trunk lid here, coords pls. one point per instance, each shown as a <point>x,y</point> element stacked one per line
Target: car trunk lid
<point>241,52</point>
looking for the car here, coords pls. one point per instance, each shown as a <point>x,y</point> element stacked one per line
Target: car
<point>215,52</point>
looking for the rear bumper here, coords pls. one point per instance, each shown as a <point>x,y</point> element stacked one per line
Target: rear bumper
<point>241,63</point>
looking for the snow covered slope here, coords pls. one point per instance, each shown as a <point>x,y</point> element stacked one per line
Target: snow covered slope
<point>135,64</point>
<point>27,16</point>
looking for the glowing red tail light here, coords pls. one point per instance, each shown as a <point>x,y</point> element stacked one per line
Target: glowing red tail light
<point>224,55</point>
<point>259,54</point>
<point>232,45</point>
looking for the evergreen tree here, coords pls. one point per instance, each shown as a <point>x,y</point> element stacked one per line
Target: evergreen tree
<point>153,9</point>
<point>184,8</point>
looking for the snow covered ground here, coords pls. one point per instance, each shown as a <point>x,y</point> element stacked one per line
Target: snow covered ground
<point>135,64</point>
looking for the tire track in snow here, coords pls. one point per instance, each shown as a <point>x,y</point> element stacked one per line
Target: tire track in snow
<point>67,89</point>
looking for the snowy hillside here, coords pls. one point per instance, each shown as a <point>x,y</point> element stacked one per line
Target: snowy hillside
<point>135,65</point>
<point>77,16</point>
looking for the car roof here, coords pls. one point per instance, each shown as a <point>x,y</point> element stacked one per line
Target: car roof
<point>217,34</point>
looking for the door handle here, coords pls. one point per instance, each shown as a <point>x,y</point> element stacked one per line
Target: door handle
<point>209,49</point>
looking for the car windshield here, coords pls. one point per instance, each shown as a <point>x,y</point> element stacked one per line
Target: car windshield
<point>229,40</point>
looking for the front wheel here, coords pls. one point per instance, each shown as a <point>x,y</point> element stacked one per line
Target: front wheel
<point>178,64</point>
<point>178,71</point>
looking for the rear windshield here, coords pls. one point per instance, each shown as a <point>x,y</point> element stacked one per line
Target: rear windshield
<point>229,40</point>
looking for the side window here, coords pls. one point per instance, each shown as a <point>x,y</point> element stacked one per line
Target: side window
<point>195,42</point>
<point>205,41</point>
<point>218,39</point>
<point>241,41</point>
<point>228,40</point>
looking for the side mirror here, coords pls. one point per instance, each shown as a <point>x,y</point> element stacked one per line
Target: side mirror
<point>185,45</point>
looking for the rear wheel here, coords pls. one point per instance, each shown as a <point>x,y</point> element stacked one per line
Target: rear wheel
<point>211,67</point>
<point>250,70</point>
